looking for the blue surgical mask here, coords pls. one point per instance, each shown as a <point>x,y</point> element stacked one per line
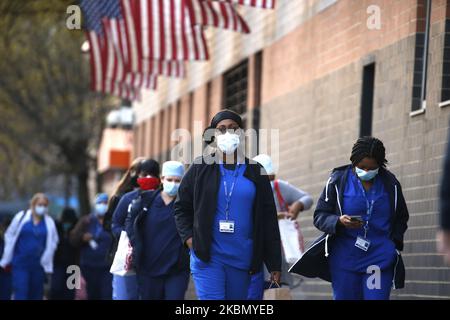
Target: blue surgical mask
<point>366,175</point>
<point>66,226</point>
<point>40,210</point>
<point>171,188</point>
<point>100,209</point>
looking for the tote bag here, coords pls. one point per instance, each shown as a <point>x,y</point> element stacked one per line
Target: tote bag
<point>121,265</point>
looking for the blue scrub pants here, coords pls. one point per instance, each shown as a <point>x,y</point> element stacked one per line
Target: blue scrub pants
<point>28,282</point>
<point>98,282</point>
<point>5,285</point>
<point>216,281</point>
<point>168,287</point>
<point>349,285</point>
<point>256,289</point>
<point>125,287</point>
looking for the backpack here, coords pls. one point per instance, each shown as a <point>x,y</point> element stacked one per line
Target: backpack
<point>136,212</point>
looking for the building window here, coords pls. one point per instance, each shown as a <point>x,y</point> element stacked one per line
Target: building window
<point>177,114</point>
<point>208,103</point>
<point>446,64</point>
<point>419,94</point>
<point>257,81</point>
<point>235,88</point>
<point>368,88</point>
<point>190,113</point>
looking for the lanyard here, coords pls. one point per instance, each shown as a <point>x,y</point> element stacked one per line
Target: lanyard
<point>369,209</point>
<point>369,214</point>
<point>228,195</point>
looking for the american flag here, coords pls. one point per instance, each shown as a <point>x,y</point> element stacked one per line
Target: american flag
<point>107,71</point>
<point>264,4</point>
<point>217,14</point>
<point>133,41</point>
<point>161,30</point>
<point>115,30</point>
<point>115,33</point>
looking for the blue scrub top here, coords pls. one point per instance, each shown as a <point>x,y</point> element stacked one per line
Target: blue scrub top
<point>30,244</point>
<point>234,249</point>
<point>98,257</point>
<point>162,243</point>
<point>343,253</point>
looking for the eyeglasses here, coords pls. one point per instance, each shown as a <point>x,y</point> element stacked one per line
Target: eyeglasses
<point>231,129</point>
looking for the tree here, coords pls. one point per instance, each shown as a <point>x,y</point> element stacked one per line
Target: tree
<point>48,111</point>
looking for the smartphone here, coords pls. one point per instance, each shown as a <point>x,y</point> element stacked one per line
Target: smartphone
<point>356,218</point>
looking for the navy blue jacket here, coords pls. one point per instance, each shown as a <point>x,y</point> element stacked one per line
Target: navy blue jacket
<point>134,227</point>
<point>314,262</point>
<point>120,213</point>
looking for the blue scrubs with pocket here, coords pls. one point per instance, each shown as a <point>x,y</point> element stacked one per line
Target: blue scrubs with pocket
<point>351,268</point>
<point>162,275</point>
<point>226,276</point>
<point>124,287</point>
<point>28,275</point>
<point>94,263</point>
<point>5,279</point>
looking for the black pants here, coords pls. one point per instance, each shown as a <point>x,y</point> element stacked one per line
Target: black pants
<point>98,282</point>
<point>59,289</point>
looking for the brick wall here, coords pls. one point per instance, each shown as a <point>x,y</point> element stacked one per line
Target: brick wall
<point>319,122</point>
<point>313,57</point>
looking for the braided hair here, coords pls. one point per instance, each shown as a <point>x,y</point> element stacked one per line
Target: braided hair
<point>369,147</point>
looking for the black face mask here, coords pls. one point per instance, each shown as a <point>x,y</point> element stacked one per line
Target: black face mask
<point>133,181</point>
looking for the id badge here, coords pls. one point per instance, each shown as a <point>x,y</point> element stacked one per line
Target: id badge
<point>226,226</point>
<point>362,243</point>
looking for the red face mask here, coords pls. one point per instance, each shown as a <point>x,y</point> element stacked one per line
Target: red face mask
<point>150,183</point>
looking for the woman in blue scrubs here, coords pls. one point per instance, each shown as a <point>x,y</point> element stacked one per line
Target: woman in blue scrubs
<point>95,244</point>
<point>368,232</point>
<point>30,243</point>
<point>163,266</point>
<point>125,287</point>
<point>226,215</point>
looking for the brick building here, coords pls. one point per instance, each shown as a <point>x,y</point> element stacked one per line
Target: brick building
<point>323,72</point>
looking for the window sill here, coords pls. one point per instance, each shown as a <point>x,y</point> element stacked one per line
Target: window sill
<point>444,104</point>
<point>420,111</point>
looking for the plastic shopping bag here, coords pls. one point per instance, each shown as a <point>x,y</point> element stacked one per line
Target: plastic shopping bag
<point>121,265</point>
<point>289,233</point>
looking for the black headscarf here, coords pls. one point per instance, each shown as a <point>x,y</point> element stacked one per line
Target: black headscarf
<point>226,114</point>
<point>222,115</point>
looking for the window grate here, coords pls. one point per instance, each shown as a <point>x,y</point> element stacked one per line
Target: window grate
<point>236,88</point>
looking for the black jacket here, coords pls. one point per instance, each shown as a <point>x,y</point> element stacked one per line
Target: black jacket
<point>196,205</point>
<point>313,262</point>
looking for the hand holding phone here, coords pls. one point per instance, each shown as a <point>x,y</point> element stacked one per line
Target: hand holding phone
<point>356,219</point>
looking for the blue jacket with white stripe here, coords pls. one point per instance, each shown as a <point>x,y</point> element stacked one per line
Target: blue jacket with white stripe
<point>314,262</point>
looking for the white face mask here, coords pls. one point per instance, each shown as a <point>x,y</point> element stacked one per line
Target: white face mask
<point>40,210</point>
<point>100,209</point>
<point>228,142</point>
